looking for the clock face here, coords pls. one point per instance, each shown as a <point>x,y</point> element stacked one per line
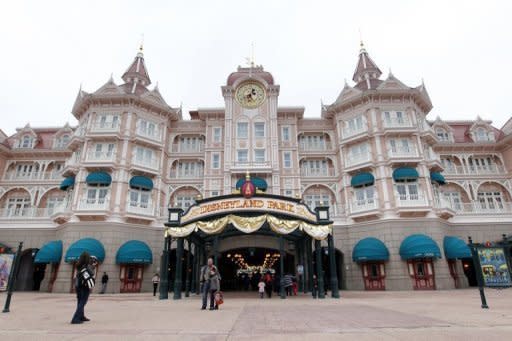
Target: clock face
<point>250,95</point>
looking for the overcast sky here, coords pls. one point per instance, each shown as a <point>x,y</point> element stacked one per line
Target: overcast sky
<point>462,50</point>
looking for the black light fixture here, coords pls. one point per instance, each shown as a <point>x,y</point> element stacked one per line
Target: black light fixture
<point>174,219</point>
<point>322,212</point>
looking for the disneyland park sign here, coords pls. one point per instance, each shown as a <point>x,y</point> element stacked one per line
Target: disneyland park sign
<point>240,205</point>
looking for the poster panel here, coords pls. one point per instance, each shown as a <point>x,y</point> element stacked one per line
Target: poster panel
<point>5,269</point>
<point>494,267</point>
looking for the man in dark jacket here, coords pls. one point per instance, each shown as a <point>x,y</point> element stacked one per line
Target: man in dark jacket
<point>104,281</point>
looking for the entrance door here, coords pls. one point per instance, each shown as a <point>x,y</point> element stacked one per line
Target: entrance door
<point>422,273</point>
<point>452,265</point>
<point>131,277</point>
<point>374,275</point>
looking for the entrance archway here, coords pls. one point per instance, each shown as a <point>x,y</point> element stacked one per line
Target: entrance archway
<point>30,275</point>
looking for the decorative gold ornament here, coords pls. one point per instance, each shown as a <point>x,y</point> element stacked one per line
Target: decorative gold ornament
<point>250,95</point>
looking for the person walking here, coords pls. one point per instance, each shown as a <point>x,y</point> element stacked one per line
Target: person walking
<point>84,282</point>
<point>268,284</point>
<point>288,282</point>
<point>261,288</point>
<point>205,283</point>
<point>104,281</point>
<point>214,279</point>
<point>155,280</point>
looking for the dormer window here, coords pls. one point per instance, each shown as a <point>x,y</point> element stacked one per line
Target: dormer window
<point>442,135</point>
<point>27,141</point>
<point>62,141</point>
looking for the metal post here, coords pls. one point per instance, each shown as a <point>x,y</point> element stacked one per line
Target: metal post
<point>281,267</point>
<point>478,272</point>
<point>164,270</point>
<point>179,269</point>
<point>12,278</point>
<point>305,262</point>
<point>319,270</point>
<point>188,270</point>
<point>194,270</point>
<point>300,277</point>
<point>311,271</point>
<point>216,251</point>
<point>199,255</point>
<point>335,293</point>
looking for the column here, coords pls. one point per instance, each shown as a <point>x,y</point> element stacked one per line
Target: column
<point>311,271</point>
<point>188,270</point>
<point>335,293</point>
<point>198,255</point>
<point>281,267</point>
<point>194,270</point>
<point>319,270</point>
<point>304,261</point>
<point>216,251</point>
<point>164,271</point>
<point>179,269</point>
<point>300,277</point>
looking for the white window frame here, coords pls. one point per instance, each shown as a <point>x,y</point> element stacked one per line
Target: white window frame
<point>287,159</point>
<point>259,158</point>
<point>285,137</point>
<point>215,160</point>
<point>217,134</point>
<point>240,152</point>
<point>239,131</point>
<point>258,132</point>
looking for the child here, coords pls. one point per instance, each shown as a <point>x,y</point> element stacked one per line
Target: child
<point>261,288</point>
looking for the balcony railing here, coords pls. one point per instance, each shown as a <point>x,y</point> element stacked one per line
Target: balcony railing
<point>146,163</point>
<point>402,152</point>
<point>22,176</point>
<point>188,148</point>
<point>154,135</point>
<point>140,208</point>
<point>180,174</point>
<point>368,204</point>
<point>475,170</point>
<point>93,204</point>
<point>476,207</point>
<point>105,127</point>
<point>317,172</point>
<point>410,200</point>
<point>27,212</point>
<point>395,122</point>
<point>355,159</point>
<point>101,156</point>
<point>53,175</point>
<point>349,132</point>
<point>251,164</point>
<point>318,147</point>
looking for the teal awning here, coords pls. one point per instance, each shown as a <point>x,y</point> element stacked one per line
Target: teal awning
<point>405,173</point>
<point>259,183</point>
<point>134,252</point>
<point>98,178</point>
<point>455,248</point>
<point>437,177</point>
<point>370,249</point>
<point>419,246</point>
<point>362,179</point>
<point>67,183</point>
<point>141,182</point>
<point>50,252</point>
<point>91,245</point>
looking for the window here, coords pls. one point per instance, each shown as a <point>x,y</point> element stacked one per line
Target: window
<point>27,171</point>
<point>217,134</point>
<point>285,134</point>
<point>184,202</point>
<point>62,141</point>
<point>215,161</point>
<point>400,146</point>
<point>259,155</point>
<point>314,167</point>
<point>420,269</point>
<point>108,121</point>
<point>214,193</point>
<point>242,130</point>
<point>395,118</point>
<point>288,192</point>
<point>103,150</point>
<point>190,169</point>
<point>481,135</point>
<point>52,203</point>
<point>407,191</point>
<point>143,155</point>
<point>314,200</point>
<point>355,124</point>
<point>374,270</point>
<point>448,165</point>
<point>442,135</point>
<point>241,155</point>
<point>490,200</point>
<point>97,194</point>
<point>454,199</point>
<point>18,206</point>
<point>259,129</point>
<point>140,198</point>
<point>481,164</point>
<point>364,196</point>
<point>26,141</point>
<point>147,128</point>
<point>287,160</point>
<point>312,142</point>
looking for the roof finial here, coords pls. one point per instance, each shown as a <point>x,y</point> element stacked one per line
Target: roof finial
<point>361,44</point>
<point>141,45</point>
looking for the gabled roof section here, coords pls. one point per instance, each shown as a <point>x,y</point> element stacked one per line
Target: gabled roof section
<point>424,93</point>
<point>109,88</point>
<point>366,70</point>
<point>137,71</point>
<point>392,83</point>
<point>347,93</point>
<point>155,96</point>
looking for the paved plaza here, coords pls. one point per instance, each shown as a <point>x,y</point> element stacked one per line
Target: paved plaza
<point>427,315</point>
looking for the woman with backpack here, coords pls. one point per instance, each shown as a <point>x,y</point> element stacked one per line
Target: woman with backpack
<point>84,283</point>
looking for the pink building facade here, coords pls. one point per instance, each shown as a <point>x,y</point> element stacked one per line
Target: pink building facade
<point>386,172</point>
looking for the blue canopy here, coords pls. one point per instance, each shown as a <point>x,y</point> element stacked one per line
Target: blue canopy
<point>91,245</point>
<point>370,249</point>
<point>437,177</point>
<point>259,183</point>
<point>405,173</point>
<point>141,182</point>
<point>419,246</point>
<point>50,252</point>
<point>67,182</point>
<point>455,248</point>
<point>98,178</point>
<point>134,252</point>
<point>362,179</point>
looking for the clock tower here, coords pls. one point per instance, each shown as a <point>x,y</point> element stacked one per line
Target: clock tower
<point>251,131</point>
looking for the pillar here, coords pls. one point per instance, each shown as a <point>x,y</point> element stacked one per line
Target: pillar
<point>309,260</point>
<point>179,269</point>
<point>199,262</point>
<point>335,293</point>
<point>164,271</point>
<point>300,277</point>
<point>281,267</point>
<point>319,270</point>
<point>194,270</point>
<point>188,270</point>
<point>216,251</point>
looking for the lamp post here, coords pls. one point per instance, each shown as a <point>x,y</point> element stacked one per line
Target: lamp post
<point>12,278</point>
<point>478,271</point>
<point>174,220</point>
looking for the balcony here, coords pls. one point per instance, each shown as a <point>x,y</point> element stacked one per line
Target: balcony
<point>407,203</point>
<point>22,176</point>
<point>105,127</point>
<point>317,172</point>
<point>100,156</point>
<point>189,174</point>
<point>315,147</point>
<point>146,163</point>
<point>188,148</point>
<point>53,176</point>
<point>140,209</point>
<point>93,206</point>
<point>475,170</point>
<point>402,152</point>
<point>476,208</point>
<point>364,206</point>
<point>16,213</point>
<point>253,167</point>
<point>356,159</point>
<point>150,134</point>
<point>347,132</point>
<point>443,207</point>
<point>395,122</point>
